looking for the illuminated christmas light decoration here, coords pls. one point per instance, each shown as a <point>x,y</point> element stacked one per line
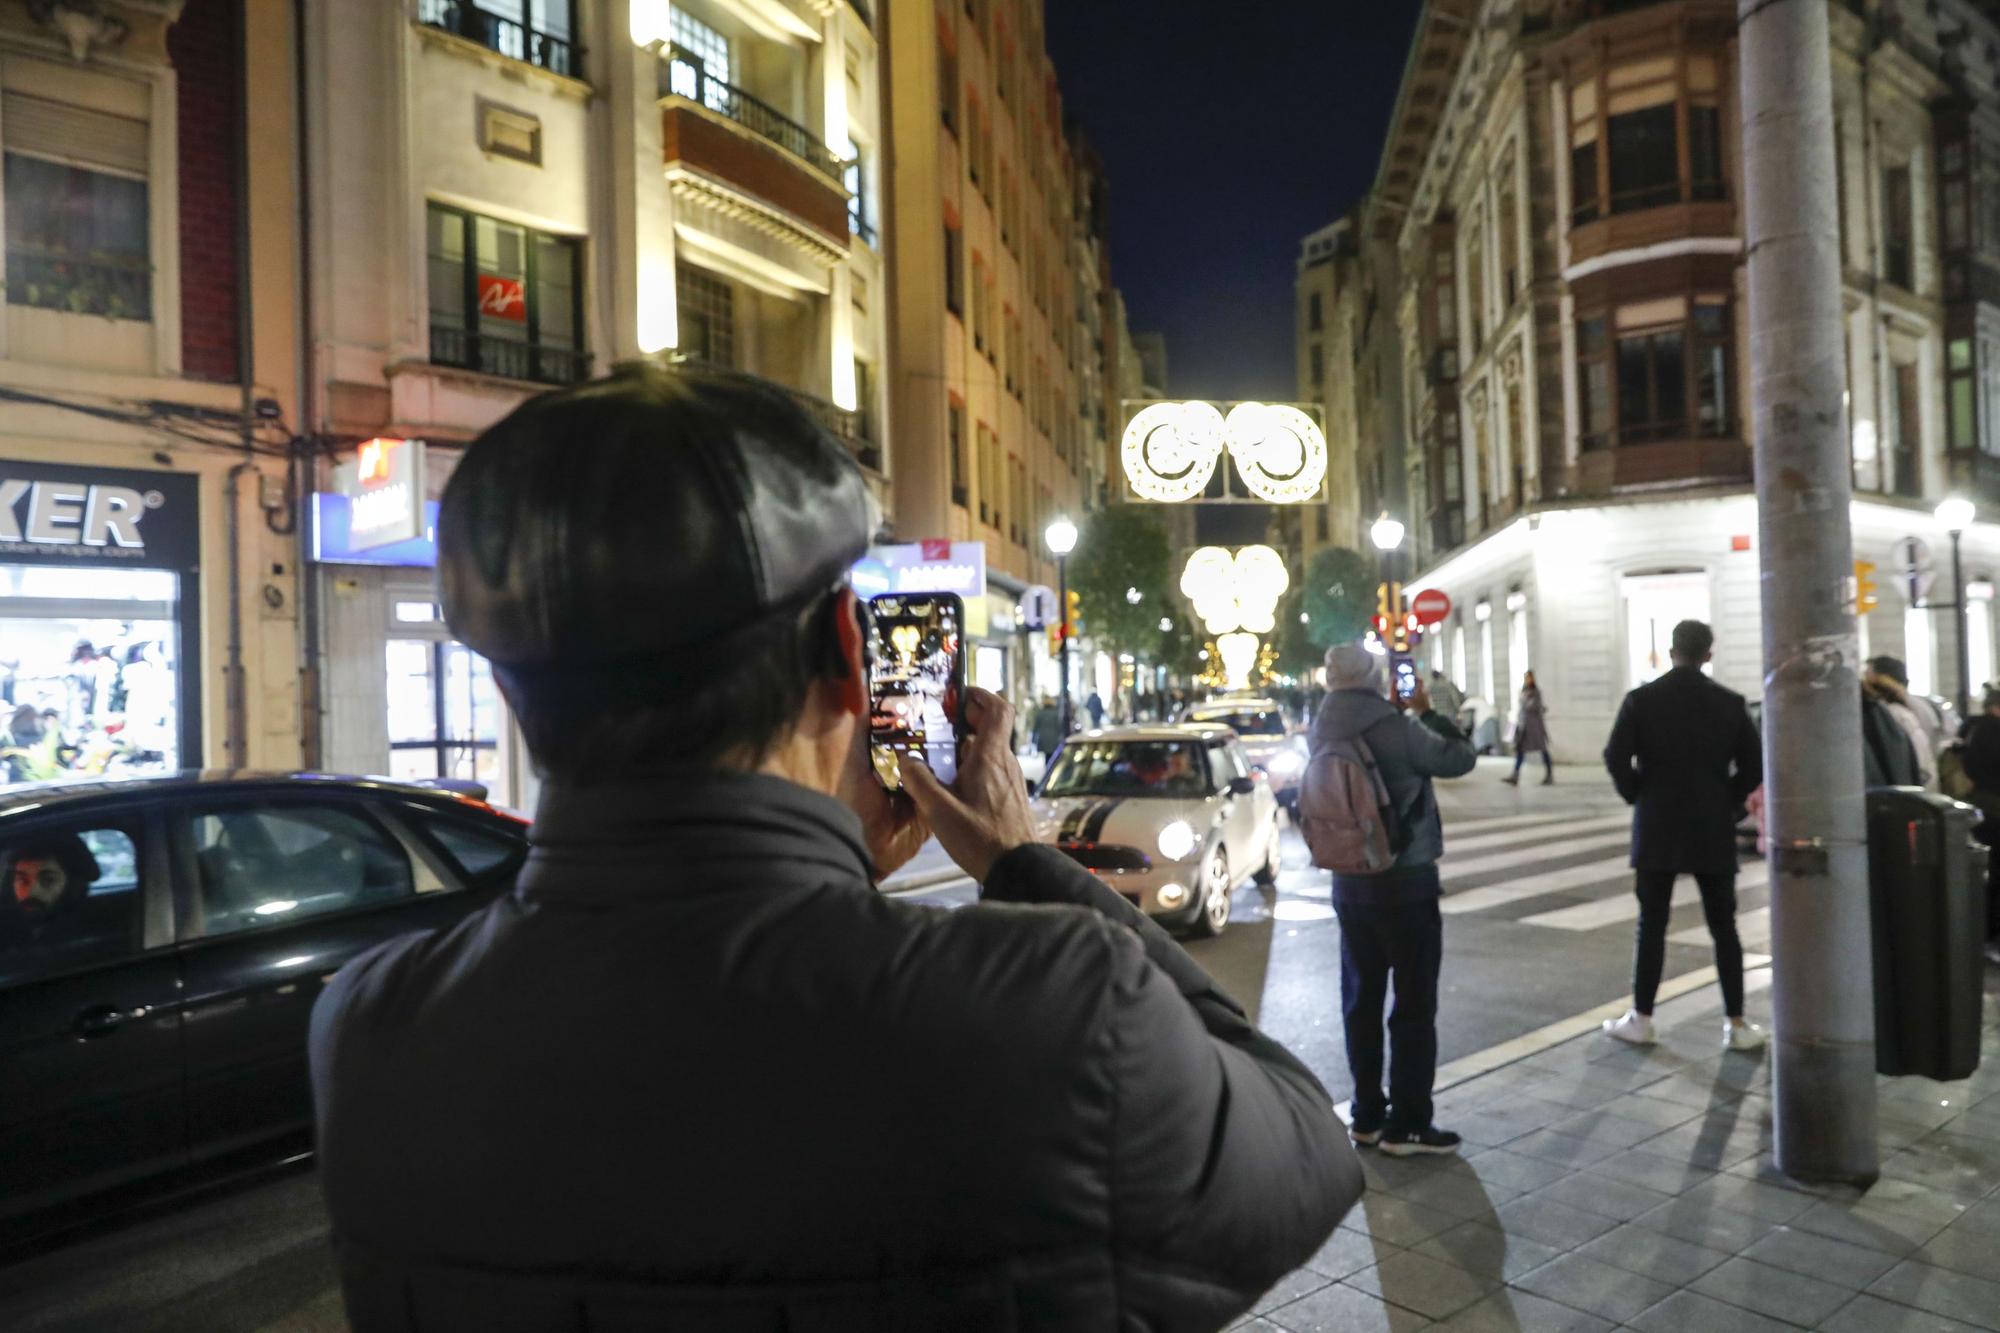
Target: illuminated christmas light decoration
<point>1279,451</point>
<point>1170,450</point>
<point>1235,592</point>
<point>1239,657</point>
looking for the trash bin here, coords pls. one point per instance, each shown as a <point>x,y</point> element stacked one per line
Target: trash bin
<point>1927,887</point>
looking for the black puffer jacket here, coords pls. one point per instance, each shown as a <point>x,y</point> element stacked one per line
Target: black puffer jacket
<point>695,1073</point>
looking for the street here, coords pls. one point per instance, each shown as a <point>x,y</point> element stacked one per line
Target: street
<point>1537,940</point>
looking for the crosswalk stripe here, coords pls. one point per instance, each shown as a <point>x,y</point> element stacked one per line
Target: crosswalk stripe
<point>1625,906</point>
<point>1548,831</point>
<point>1573,877</point>
<point>1752,927</point>
<point>1527,856</point>
<point>1455,827</point>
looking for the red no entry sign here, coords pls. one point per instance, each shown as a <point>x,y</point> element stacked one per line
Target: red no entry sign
<point>1430,606</point>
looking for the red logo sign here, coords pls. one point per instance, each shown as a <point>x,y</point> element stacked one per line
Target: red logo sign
<point>1430,606</point>
<point>936,549</point>
<point>502,298</point>
<point>374,460</point>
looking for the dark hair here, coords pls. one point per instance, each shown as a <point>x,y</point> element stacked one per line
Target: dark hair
<point>733,699</point>
<point>1693,640</point>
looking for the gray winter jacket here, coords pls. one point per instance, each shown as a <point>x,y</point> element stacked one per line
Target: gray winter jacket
<point>1409,752</point>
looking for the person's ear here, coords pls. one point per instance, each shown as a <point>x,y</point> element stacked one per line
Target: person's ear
<point>851,631</point>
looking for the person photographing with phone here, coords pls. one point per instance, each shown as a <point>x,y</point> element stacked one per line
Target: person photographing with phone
<point>694,1072</point>
<point>1369,814</point>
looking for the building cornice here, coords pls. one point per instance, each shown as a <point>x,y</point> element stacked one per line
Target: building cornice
<point>706,192</point>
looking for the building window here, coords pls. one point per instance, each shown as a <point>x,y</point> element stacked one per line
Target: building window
<point>1316,360</point>
<point>954,269</point>
<point>1961,416</point>
<point>1475,283</point>
<point>1507,237</point>
<point>1635,111</point>
<point>1906,471</point>
<point>1663,372</point>
<point>77,239</point>
<point>540,32</point>
<point>708,47</point>
<point>855,177</point>
<point>708,315</point>
<point>504,299</point>
<point>954,416</point>
<point>1313,313</point>
<point>947,80</point>
<point>1897,226</point>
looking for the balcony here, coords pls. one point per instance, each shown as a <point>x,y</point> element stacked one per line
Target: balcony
<point>1662,464</point>
<point>853,429</point>
<point>509,358</point>
<point>509,37</point>
<point>682,75</point>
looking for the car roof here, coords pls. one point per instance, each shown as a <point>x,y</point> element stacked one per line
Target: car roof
<point>1232,705</point>
<point>23,797</point>
<point>1158,731</point>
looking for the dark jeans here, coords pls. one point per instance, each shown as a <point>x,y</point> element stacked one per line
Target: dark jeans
<point>1521,757</point>
<point>1718,905</point>
<point>1380,943</point>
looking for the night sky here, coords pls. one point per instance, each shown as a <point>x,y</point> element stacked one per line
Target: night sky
<point>1228,131</point>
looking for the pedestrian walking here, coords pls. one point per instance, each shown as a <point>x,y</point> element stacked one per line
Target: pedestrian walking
<point>1391,932</point>
<point>693,1071</point>
<point>1094,706</point>
<point>1889,755</point>
<point>1447,698</point>
<point>1531,732</point>
<point>1686,754</point>
<point>1046,728</point>
<point>1889,681</point>
<point>1981,758</point>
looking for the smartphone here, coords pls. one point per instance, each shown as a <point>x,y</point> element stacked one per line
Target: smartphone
<point>916,684</point>
<point>1406,677</point>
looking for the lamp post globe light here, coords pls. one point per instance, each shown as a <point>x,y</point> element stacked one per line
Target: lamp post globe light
<point>1955,514</point>
<point>1061,539</point>
<point>1386,533</point>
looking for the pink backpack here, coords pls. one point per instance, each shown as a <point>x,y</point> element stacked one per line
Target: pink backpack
<point>1344,810</point>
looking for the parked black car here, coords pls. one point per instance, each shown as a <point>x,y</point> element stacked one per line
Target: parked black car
<point>161,945</point>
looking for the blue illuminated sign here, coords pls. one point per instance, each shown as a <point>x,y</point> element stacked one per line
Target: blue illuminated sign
<point>333,539</point>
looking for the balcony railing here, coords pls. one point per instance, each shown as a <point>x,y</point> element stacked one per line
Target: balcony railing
<point>852,428</point>
<point>495,32</point>
<point>509,358</point>
<point>683,75</point>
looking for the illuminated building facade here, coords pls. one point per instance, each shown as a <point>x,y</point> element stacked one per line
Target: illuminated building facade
<point>1560,191</point>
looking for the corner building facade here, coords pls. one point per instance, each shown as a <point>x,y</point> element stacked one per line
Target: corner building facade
<point>1561,185</point>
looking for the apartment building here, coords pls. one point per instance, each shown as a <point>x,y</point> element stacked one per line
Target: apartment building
<point>518,194</point>
<point>994,283</point>
<point>1560,188</point>
<point>147,608</point>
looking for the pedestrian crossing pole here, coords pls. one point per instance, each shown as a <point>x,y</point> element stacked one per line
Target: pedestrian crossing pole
<point>1822,996</point>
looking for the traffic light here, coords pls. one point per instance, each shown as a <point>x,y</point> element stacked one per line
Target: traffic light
<point>1864,587</point>
<point>1383,610</point>
<point>1070,615</point>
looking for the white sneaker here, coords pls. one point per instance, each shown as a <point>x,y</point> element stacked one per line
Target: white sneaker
<point>1744,1036</point>
<point>1634,1028</point>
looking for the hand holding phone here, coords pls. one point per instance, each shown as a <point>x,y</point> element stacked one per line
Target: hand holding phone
<point>916,684</point>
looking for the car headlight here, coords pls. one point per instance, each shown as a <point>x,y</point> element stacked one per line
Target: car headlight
<point>1177,840</point>
<point>1286,761</point>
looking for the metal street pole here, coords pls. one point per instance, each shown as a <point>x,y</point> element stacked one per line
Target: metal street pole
<point>1822,992</point>
<point>1062,624</point>
<point>1958,637</point>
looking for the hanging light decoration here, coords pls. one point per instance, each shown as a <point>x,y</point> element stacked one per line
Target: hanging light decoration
<point>1279,452</point>
<point>1238,591</point>
<point>1239,657</point>
<point>1170,451</point>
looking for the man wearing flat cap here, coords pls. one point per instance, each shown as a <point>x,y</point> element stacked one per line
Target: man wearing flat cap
<point>694,1072</point>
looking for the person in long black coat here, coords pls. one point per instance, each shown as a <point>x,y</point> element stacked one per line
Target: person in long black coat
<point>1685,753</point>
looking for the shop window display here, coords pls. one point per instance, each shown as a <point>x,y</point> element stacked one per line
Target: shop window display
<point>88,673</point>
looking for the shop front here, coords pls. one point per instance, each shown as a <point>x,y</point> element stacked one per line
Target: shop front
<point>99,622</point>
<point>403,698</point>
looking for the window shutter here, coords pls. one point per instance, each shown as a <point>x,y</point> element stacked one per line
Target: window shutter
<point>77,134</point>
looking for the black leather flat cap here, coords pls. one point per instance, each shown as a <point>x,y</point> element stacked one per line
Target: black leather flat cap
<point>641,515</point>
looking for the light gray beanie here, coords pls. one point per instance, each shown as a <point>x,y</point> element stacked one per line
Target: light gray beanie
<point>1349,666</point>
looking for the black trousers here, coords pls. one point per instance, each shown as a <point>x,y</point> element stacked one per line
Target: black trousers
<point>1521,757</point>
<point>1718,904</point>
<point>1381,944</point>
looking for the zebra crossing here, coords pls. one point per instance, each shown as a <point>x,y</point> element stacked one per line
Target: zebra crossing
<point>1570,873</point>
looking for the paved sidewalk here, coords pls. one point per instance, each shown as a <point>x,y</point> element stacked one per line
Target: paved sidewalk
<point>1605,1187</point>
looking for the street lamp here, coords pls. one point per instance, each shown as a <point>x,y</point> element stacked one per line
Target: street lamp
<point>1387,534</point>
<point>1955,515</point>
<point>1061,539</point>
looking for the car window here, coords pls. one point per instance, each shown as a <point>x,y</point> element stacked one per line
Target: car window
<point>1258,722</point>
<point>1128,768</point>
<point>265,865</point>
<point>72,900</point>
<point>1229,762</point>
<point>477,852</point>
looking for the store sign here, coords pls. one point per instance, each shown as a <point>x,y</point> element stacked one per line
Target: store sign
<point>930,566</point>
<point>384,482</point>
<point>333,539</point>
<point>55,513</point>
<point>503,298</point>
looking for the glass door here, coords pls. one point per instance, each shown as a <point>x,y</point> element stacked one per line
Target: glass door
<point>444,713</point>
<point>1654,604</point>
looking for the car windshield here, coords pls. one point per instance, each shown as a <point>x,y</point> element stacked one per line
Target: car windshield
<point>1246,723</point>
<point>1129,768</point>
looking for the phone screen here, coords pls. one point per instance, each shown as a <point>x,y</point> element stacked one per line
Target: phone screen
<point>1406,677</point>
<point>916,685</point>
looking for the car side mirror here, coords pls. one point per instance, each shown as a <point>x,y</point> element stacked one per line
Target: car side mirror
<point>1242,786</point>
